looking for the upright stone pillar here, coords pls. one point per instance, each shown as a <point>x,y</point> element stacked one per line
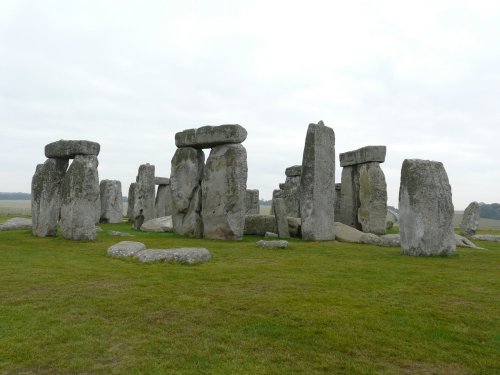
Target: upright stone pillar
<point>145,192</point>
<point>470,219</point>
<point>349,198</point>
<point>252,206</point>
<point>372,211</point>
<point>80,197</point>
<point>317,185</point>
<point>46,190</point>
<point>425,209</point>
<point>111,201</point>
<point>163,202</point>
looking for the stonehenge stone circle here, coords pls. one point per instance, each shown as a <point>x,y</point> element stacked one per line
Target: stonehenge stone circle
<point>111,201</point>
<point>211,136</point>
<point>46,200</point>
<point>252,206</point>
<point>363,155</point>
<point>145,192</point>
<point>70,149</point>
<point>317,184</point>
<point>426,209</point>
<point>372,210</point>
<point>290,191</point>
<point>470,219</point>
<point>131,201</point>
<point>80,198</point>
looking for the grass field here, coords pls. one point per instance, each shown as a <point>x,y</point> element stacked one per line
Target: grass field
<point>315,308</point>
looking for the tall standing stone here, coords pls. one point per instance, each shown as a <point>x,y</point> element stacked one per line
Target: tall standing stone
<point>372,211</point>
<point>349,198</point>
<point>111,201</point>
<point>317,185</point>
<point>163,202</point>
<point>145,192</point>
<point>46,190</point>
<point>80,197</point>
<point>252,206</point>
<point>470,219</point>
<point>185,182</point>
<point>425,209</point>
<point>131,201</point>
<point>281,219</point>
<point>224,186</point>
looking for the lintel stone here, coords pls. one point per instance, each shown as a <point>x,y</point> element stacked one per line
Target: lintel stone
<point>363,155</point>
<point>64,149</point>
<point>211,136</point>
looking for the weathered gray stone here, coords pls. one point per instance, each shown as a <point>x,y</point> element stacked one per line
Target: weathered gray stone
<point>486,237</point>
<point>131,201</point>
<point>371,239</point>
<point>390,240</point>
<point>160,224</point>
<point>338,192</point>
<point>425,209</point>
<point>372,210</point>
<point>145,192</point>
<point>349,197</point>
<point>260,224</point>
<point>163,202</point>
<point>279,244</point>
<point>281,219</point>
<point>470,219</point>
<point>185,182</point>
<point>111,201</point>
<point>115,233</point>
<point>291,196</point>
<point>252,206</point>
<point>465,242</point>
<point>80,197</point>
<point>345,233</point>
<point>365,154</point>
<point>211,136</point>
<point>162,181</point>
<point>293,171</point>
<point>271,235</point>
<point>46,196</point>
<point>317,185</point>
<point>16,223</point>
<point>188,255</point>
<point>125,249</point>
<point>277,193</point>
<point>64,149</point>
<point>224,187</point>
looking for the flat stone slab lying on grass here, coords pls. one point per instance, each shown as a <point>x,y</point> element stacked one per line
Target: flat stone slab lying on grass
<point>125,249</point>
<point>465,242</point>
<point>486,237</point>
<point>187,255</point>
<point>390,240</point>
<point>279,244</point>
<point>160,224</point>
<point>16,223</point>
<point>119,234</point>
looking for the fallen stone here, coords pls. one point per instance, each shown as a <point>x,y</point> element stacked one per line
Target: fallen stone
<point>390,240</point>
<point>363,155</point>
<point>211,136</point>
<point>465,242</point>
<point>111,201</point>
<point>16,223</point>
<point>470,219</point>
<point>160,224</point>
<point>271,235</point>
<point>186,255</point>
<point>293,171</point>
<point>64,149</point>
<point>345,233</point>
<point>115,233</point>
<point>370,238</point>
<point>279,244</point>
<point>486,237</point>
<point>125,248</point>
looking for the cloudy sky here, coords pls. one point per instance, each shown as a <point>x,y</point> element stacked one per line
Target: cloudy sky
<point>421,77</point>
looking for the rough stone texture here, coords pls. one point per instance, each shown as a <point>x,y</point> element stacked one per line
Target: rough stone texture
<point>470,219</point>
<point>345,233</point>
<point>111,201</point>
<point>145,192</point>
<point>371,239</point>
<point>425,209</point>
<point>317,185</point>
<point>160,224</point>
<point>277,193</point>
<point>131,201</point>
<point>46,196</point>
<point>224,187</point>
<point>252,206</point>
<point>390,240</point>
<point>211,136</point>
<point>291,196</point>
<point>162,181</point>
<point>188,255</point>
<point>16,223</point>
<point>372,210</point>
<point>185,183</point>
<point>69,149</point>
<point>80,199</point>
<point>293,171</point>
<point>486,237</point>
<point>271,235</point>
<point>260,224</point>
<point>338,194</point>
<point>163,202</point>
<point>125,249</point>
<point>349,198</point>
<point>279,244</point>
<point>465,242</point>
<point>281,219</point>
<point>115,233</point>
<point>363,155</point>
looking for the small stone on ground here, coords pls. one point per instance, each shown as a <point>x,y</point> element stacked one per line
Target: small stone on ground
<point>280,244</point>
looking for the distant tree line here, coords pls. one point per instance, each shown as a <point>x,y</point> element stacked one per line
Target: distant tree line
<point>15,196</point>
<point>263,202</point>
<point>489,211</point>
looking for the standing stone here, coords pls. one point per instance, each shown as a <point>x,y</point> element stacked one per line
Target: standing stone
<point>223,192</point>
<point>277,193</point>
<point>145,192</point>
<point>163,202</point>
<point>80,197</point>
<point>131,201</point>
<point>252,206</point>
<point>111,201</point>
<point>470,219</point>
<point>338,193</point>
<point>349,198</point>
<point>425,209</point>
<point>185,183</point>
<point>281,220</point>
<point>372,211</point>
<point>46,190</point>
<point>317,185</point>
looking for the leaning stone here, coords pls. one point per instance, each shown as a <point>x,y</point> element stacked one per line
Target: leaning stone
<point>486,237</point>
<point>252,206</point>
<point>470,219</point>
<point>345,233</point>
<point>16,223</point>
<point>271,235</point>
<point>281,220</point>
<point>293,171</point>
<point>224,187</point>
<point>317,184</point>
<point>80,197</point>
<point>162,181</point>
<point>125,249</point>
<point>69,149</point>
<point>46,196</point>
<point>372,210</point>
<point>115,233</point>
<point>185,177</point>
<point>465,242</point>
<point>279,244</point>
<point>390,240</point>
<point>425,209</point>
<point>145,192</point>
<point>160,224</point>
<point>211,136</point>
<point>111,201</point>
<point>188,255</point>
<point>365,154</point>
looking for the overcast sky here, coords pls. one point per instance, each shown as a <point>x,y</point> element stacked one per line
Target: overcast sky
<point>421,77</point>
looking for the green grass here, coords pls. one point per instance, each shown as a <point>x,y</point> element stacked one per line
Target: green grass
<point>315,308</point>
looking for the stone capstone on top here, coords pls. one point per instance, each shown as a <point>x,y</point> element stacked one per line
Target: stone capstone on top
<point>64,149</point>
<point>363,155</point>
<point>162,181</point>
<point>211,136</point>
<point>293,171</point>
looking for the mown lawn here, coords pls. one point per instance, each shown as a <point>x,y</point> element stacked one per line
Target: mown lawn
<point>315,308</point>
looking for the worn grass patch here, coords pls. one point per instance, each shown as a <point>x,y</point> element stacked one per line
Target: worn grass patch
<point>315,308</point>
